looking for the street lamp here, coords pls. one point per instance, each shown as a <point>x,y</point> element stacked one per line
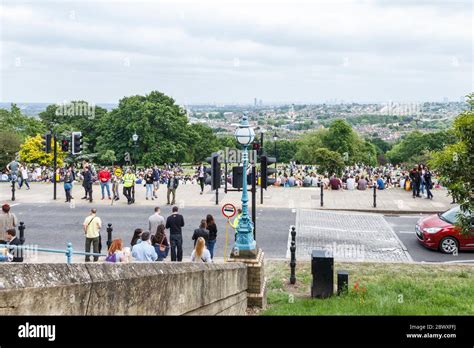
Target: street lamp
<point>245,244</point>
<point>275,138</point>
<point>135,139</point>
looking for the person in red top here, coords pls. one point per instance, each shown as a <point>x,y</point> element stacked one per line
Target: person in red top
<point>335,183</point>
<point>104,178</point>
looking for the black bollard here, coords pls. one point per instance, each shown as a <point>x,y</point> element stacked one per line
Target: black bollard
<point>109,235</point>
<point>375,195</point>
<point>21,228</point>
<point>322,194</point>
<point>13,189</point>
<point>293,255</point>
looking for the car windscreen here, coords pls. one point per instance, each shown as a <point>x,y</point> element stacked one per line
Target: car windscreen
<point>450,215</point>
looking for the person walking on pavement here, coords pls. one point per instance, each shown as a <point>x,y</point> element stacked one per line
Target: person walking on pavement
<point>428,183</point>
<point>156,181</point>
<point>87,183</point>
<point>149,184</point>
<point>68,180</point>
<point>175,223</point>
<point>212,228</point>
<point>92,225</point>
<point>8,221</point>
<point>24,177</point>
<point>415,181</point>
<point>104,179</point>
<point>201,174</point>
<point>173,183</point>
<point>155,220</point>
<point>128,184</point>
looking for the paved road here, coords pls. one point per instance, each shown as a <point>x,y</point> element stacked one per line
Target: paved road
<point>53,225</point>
<point>404,227</point>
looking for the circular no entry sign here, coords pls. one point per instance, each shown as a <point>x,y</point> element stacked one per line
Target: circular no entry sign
<point>228,210</point>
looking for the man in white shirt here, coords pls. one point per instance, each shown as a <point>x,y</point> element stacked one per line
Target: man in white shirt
<point>350,183</point>
<point>92,225</point>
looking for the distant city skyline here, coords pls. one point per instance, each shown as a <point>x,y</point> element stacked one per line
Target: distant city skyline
<point>245,52</point>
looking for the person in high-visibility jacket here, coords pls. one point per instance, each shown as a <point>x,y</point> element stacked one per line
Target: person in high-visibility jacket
<point>128,184</point>
<point>235,223</point>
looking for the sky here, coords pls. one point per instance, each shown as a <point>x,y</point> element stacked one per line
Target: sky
<point>204,51</point>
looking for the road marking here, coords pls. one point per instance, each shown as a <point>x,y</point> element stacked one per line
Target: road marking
<point>406,232</point>
<point>14,205</point>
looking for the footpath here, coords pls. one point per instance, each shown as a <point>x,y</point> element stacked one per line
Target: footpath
<point>389,201</point>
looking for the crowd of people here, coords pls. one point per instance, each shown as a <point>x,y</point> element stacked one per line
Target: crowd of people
<point>154,244</point>
<point>417,180</point>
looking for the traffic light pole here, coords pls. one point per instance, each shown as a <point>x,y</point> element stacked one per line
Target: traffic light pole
<point>55,165</point>
<point>225,175</point>
<point>254,198</point>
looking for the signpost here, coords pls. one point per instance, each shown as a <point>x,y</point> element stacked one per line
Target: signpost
<point>229,211</point>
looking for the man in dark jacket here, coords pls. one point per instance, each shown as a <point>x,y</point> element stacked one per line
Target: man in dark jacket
<point>428,183</point>
<point>87,183</point>
<point>174,223</point>
<point>13,240</point>
<point>415,182</point>
<point>202,231</point>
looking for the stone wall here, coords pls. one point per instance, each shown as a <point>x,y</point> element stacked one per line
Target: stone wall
<point>123,289</point>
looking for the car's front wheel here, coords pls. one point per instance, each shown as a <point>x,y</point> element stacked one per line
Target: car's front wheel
<point>448,245</point>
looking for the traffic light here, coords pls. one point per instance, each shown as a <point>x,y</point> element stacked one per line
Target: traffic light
<point>76,143</point>
<point>256,147</point>
<point>46,142</point>
<point>266,171</point>
<point>213,171</point>
<point>65,145</point>
<point>237,177</point>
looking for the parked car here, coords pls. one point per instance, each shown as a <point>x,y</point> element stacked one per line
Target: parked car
<point>439,233</point>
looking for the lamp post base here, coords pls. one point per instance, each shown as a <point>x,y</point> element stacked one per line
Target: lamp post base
<point>256,290</point>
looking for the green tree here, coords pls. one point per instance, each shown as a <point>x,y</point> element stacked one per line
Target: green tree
<point>75,116</point>
<point>15,121</point>
<point>9,145</point>
<point>285,150</point>
<point>328,161</point>
<point>309,143</point>
<point>161,126</point>
<point>202,142</point>
<point>31,151</point>
<point>455,165</point>
<point>409,148</point>
<point>108,157</point>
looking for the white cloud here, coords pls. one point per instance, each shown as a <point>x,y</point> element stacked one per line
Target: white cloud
<point>283,49</point>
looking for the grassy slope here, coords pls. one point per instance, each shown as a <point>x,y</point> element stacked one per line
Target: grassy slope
<point>391,289</point>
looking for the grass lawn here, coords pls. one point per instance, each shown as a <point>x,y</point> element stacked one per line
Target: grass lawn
<point>381,289</point>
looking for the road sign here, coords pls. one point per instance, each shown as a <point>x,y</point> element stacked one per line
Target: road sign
<point>228,210</point>
<point>118,172</point>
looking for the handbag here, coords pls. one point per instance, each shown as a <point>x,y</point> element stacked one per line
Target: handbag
<point>163,249</point>
<point>111,258</point>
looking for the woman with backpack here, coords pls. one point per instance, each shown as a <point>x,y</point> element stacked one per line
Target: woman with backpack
<point>160,243</point>
<point>116,253</point>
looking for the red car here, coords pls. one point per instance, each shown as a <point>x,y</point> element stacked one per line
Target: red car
<point>439,233</point>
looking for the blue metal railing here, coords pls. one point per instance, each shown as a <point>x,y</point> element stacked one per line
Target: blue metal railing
<point>68,252</point>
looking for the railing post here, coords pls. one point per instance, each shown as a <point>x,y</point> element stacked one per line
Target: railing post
<point>322,194</point>
<point>69,253</point>
<point>293,255</point>
<point>21,228</point>
<point>375,195</point>
<point>109,235</point>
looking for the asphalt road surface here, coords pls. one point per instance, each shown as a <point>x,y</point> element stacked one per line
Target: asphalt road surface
<point>54,225</point>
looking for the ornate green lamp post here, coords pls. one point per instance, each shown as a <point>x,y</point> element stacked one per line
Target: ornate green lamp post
<point>245,245</point>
